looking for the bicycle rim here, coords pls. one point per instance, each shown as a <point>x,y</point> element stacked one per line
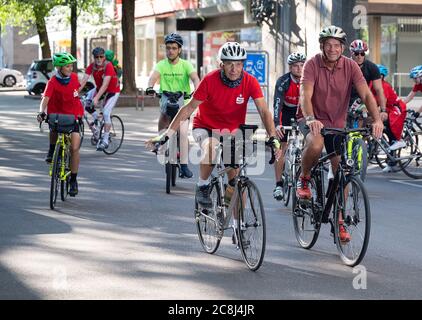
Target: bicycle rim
<point>206,222</point>
<point>117,133</point>
<point>65,184</point>
<point>360,157</point>
<point>356,221</point>
<point>251,226</point>
<point>305,223</point>
<point>55,177</point>
<point>412,167</point>
<point>286,188</point>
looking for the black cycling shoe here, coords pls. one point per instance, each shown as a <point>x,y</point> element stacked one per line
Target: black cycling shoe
<point>202,195</point>
<point>185,172</point>
<point>73,191</point>
<point>49,156</point>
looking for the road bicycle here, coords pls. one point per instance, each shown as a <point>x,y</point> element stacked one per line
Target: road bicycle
<point>117,130</point>
<point>408,158</point>
<point>345,198</point>
<point>249,235</point>
<point>172,152</point>
<point>59,170</point>
<point>292,158</point>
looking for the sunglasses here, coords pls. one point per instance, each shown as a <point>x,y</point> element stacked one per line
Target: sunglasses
<point>99,57</point>
<point>359,53</point>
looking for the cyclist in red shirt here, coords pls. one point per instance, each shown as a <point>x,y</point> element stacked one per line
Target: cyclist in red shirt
<point>286,101</point>
<point>221,100</point>
<point>324,99</point>
<point>107,83</point>
<point>61,96</point>
<point>416,75</point>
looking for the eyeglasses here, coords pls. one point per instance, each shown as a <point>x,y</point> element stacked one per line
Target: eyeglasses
<point>359,53</point>
<point>99,57</point>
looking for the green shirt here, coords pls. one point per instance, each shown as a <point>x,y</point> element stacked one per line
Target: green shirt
<point>175,77</point>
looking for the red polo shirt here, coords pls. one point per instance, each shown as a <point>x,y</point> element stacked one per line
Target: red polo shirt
<point>332,88</point>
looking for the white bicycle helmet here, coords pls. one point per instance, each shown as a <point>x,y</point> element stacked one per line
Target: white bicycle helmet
<point>333,32</point>
<point>231,51</point>
<point>296,57</point>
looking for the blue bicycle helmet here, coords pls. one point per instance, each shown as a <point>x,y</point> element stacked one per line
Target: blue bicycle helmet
<point>173,37</point>
<point>98,51</point>
<point>383,70</point>
<point>416,72</point>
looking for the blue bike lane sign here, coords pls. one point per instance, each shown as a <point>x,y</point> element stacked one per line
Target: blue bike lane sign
<point>256,64</point>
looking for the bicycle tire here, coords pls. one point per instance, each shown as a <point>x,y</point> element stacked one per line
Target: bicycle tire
<point>352,252</point>
<point>117,133</point>
<point>174,174</point>
<point>55,177</point>
<point>65,184</point>
<point>360,157</point>
<point>251,231</point>
<point>286,188</point>
<point>169,174</point>
<point>206,221</point>
<point>81,132</point>
<point>412,167</point>
<point>304,215</point>
<point>379,155</point>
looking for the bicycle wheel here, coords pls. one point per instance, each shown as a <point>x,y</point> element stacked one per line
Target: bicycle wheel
<point>412,167</point>
<point>306,221</point>
<point>251,225</point>
<point>174,174</point>
<point>55,177</point>
<point>206,222</point>
<point>169,175</point>
<point>81,132</point>
<point>360,157</point>
<point>65,184</point>
<point>286,188</point>
<point>117,133</point>
<point>353,204</point>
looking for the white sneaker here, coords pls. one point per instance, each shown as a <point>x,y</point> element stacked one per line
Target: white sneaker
<point>390,169</point>
<point>278,193</point>
<point>397,145</point>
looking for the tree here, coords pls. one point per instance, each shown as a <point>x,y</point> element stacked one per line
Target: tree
<point>25,14</point>
<point>128,31</point>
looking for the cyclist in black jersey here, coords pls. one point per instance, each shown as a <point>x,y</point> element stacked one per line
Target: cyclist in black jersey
<point>286,100</point>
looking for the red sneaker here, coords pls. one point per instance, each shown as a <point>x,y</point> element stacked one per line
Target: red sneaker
<point>303,191</point>
<point>344,235</point>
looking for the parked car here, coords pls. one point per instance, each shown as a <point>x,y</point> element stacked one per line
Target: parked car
<point>10,77</point>
<point>41,71</point>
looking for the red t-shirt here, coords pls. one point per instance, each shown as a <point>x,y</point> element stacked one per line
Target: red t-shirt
<point>417,87</point>
<point>291,96</point>
<point>64,99</point>
<point>223,107</point>
<point>389,93</point>
<point>100,72</point>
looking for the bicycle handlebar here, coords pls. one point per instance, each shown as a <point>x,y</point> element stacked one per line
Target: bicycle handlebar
<point>159,144</point>
<point>160,94</point>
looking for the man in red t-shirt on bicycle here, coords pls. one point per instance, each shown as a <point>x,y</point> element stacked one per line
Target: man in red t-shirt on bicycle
<point>221,100</point>
<point>108,84</point>
<point>61,96</point>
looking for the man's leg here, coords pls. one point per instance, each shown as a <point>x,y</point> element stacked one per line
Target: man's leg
<point>74,163</point>
<point>53,139</point>
<point>278,167</point>
<point>109,105</point>
<point>184,150</point>
<point>311,153</point>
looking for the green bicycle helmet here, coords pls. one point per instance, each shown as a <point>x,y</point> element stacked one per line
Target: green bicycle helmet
<point>62,59</point>
<point>109,55</point>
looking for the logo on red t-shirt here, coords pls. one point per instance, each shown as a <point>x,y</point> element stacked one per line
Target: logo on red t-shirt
<point>240,99</point>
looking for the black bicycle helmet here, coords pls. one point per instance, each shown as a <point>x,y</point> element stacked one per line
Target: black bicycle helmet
<point>98,51</point>
<point>173,37</point>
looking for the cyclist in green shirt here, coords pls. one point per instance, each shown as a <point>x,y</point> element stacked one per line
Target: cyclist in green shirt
<point>174,74</point>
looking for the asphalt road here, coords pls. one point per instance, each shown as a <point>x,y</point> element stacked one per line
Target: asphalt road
<point>123,237</point>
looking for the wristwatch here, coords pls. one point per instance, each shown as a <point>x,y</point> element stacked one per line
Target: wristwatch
<point>309,118</point>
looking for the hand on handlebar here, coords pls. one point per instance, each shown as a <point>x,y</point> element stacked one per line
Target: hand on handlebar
<point>280,131</point>
<point>315,126</point>
<point>41,116</point>
<point>377,129</point>
<point>154,143</point>
<point>149,91</point>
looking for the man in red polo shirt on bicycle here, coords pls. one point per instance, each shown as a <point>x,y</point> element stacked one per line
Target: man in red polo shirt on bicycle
<point>107,83</point>
<point>222,98</point>
<point>326,86</point>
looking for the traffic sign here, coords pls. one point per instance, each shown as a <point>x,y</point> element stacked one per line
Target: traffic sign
<point>256,64</point>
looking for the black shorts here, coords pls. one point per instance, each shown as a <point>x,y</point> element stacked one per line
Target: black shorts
<point>332,142</point>
<point>287,114</point>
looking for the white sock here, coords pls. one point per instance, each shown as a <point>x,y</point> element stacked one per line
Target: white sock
<point>105,136</point>
<point>235,223</point>
<point>203,182</point>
